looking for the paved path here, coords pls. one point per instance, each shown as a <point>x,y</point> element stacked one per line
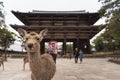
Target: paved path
<point>90,69</point>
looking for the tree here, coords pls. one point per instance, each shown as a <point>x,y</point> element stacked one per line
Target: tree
<point>69,47</point>
<point>2,21</point>
<point>98,42</point>
<point>110,7</point>
<point>104,42</point>
<point>111,10</point>
<point>6,39</point>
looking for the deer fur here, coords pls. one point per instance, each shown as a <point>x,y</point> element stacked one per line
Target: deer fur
<point>25,60</point>
<point>2,62</point>
<point>42,66</point>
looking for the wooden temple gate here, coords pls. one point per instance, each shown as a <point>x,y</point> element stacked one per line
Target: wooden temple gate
<point>63,26</point>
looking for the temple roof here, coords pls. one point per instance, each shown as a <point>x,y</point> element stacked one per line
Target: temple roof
<point>43,17</point>
<point>60,24</point>
<point>70,32</point>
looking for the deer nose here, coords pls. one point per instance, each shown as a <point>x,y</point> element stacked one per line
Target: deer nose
<point>30,45</point>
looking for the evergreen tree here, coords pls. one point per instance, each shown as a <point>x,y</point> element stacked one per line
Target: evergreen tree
<point>111,10</point>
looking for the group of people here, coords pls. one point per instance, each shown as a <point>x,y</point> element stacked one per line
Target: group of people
<point>78,54</point>
<point>53,50</point>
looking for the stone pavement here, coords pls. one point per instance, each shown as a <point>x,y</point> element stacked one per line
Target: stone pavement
<point>90,69</point>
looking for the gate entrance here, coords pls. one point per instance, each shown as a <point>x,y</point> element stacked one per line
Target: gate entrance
<point>63,26</point>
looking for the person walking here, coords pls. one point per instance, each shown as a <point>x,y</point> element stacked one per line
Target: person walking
<point>76,53</point>
<point>81,55</point>
<point>53,50</point>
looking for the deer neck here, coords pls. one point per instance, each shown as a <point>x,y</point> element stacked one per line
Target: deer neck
<point>34,57</point>
<point>34,62</point>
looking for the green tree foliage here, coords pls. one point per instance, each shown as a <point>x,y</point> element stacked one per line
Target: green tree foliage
<point>1,5</point>
<point>6,39</point>
<point>69,47</point>
<point>99,43</point>
<point>2,21</point>
<point>105,42</point>
<point>6,36</point>
<point>111,10</point>
<point>110,7</point>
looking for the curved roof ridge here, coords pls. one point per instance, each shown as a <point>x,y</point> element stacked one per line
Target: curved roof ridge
<point>43,11</point>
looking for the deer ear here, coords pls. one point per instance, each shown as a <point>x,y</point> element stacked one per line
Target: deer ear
<point>22,32</point>
<point>43,32</point>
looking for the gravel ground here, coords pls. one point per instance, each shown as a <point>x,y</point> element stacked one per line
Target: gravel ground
<point>90,69</point>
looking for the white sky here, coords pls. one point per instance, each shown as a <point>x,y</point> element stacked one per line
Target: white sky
<point>46,5</point>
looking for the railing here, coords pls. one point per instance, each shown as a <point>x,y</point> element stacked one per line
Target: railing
<point>116,55</point>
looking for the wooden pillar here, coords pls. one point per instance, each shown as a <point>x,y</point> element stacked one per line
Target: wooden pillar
<point>74,44</point>
<point>64,45</point>
<point>42,47</point>
<point>89,47</point>
<point>78,43</point>
<point>86,47</point>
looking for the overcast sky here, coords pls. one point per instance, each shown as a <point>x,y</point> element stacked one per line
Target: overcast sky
<point>45,5</point>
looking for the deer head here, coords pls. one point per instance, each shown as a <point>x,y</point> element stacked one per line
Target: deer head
<point>32,39</point>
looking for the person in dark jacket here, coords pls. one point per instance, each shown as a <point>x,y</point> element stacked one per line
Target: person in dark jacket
<point>76,53</point>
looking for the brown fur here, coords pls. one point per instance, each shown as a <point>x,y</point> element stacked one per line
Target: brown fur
<point>42,66</point>
<point>25,60</point>
<point>2,62</point>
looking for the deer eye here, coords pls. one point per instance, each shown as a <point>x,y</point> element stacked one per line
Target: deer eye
<point>37,38</point>
<point>26,39</point>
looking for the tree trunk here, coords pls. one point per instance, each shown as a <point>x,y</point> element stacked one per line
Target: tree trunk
<point>5,53</point>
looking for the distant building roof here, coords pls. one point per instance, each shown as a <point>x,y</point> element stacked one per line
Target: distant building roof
<point>29,18</point>
<point>60,12</point>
